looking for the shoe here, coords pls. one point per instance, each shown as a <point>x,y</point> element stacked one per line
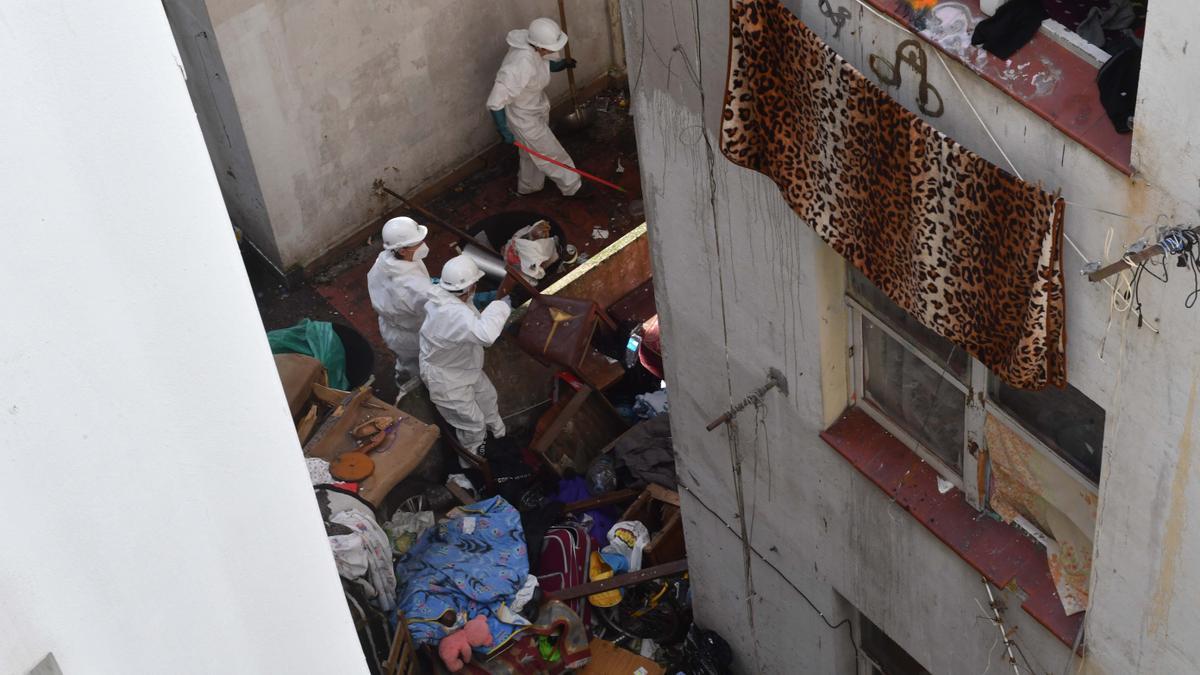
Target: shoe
<point>583,192</point>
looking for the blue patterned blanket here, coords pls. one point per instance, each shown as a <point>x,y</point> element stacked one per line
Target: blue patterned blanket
<point>469,565</point>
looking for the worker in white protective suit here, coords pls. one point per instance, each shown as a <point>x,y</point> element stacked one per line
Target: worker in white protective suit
<point>521,109</point>
<point>452,341</point>
<point>399,285</point>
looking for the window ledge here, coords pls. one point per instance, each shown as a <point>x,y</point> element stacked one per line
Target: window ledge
<point>1055,83</point>
<point>1003,554</point>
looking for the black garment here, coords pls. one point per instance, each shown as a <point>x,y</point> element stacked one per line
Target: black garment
<point>536,522</point>
<point>1013,25</point>
<point>1118,85</point>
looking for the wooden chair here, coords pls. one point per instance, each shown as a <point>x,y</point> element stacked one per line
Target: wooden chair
<point>402,658</point>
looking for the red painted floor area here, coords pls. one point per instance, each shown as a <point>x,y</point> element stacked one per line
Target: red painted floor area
<point>339,293</point>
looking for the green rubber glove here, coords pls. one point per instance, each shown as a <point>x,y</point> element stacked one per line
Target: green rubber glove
<point>501,121</point>
<point>562,64</point>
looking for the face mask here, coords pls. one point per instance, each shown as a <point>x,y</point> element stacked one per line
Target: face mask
<point>550,56</point>
<point>421,252</point>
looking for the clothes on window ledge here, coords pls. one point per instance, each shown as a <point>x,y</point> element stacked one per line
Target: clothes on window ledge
<point>970,251</point>
<point>1012,27</point>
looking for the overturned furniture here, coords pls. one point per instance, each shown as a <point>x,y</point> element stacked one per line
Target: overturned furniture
<point>368,434</point>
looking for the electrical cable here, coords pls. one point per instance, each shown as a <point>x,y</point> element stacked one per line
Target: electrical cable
<point>832,626</point>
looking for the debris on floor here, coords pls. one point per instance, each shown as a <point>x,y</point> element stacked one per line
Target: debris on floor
<point>557,546</point>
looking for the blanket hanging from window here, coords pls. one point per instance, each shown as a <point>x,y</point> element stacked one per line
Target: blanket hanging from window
<point>969,250</point>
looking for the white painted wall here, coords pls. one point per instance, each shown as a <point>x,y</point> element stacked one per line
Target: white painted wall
<point>157,514</point>
<point>743,285</point>
<point>335,94</point>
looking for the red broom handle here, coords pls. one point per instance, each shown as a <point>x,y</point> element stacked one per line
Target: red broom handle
<point>570,168</point>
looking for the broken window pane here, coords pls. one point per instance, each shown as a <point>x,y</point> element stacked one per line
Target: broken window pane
<point>1068,422</point>
<point>913,395</point>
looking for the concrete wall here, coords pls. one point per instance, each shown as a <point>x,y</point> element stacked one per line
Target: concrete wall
<point>221,124</point>
<point>743,285</point>
<point>157,513</point>
<point>335,94</point>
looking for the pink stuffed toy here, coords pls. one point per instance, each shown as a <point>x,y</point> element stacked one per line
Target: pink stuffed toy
<point>455,648</point>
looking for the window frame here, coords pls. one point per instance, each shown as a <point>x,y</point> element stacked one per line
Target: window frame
<point>978,405</point>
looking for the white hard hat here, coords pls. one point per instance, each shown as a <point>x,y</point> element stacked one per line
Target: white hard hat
<point>546,34</point>
<point>402,232</point>
<point>459,273</point>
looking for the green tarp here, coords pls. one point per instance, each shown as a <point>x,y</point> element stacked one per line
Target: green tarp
<point>315,339</point>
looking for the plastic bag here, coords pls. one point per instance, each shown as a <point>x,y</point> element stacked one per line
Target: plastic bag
<point>315,339</point>
<point>602,475</point>
<point>404,528</point>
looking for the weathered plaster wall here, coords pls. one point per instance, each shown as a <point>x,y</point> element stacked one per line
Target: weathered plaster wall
<point>335,94</point>
<point>220,122</point>
<point>743,285</point>
<point>158,517</point>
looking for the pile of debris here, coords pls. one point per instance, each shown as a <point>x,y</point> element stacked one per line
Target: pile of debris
<point>561,552</point>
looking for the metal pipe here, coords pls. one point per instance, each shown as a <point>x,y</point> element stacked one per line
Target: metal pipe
<point>774,379</point>
<point>492,267</point>
<point>429,216</point>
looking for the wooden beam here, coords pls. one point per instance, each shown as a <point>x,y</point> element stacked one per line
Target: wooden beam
<point>542,443</point>
<point>1128,262</point>
<point>459,493</point>
<point>606,499</point>
<point>620,581</point>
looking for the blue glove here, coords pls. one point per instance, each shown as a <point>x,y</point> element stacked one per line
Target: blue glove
<point>562,64</point>
<point>501,121</point>
<point>483,299</point>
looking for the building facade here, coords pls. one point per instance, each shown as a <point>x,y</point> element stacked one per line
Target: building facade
<point>896,509</point>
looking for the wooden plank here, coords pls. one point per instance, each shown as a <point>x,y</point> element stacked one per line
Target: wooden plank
<point>620,581</point>
<point>546,439</point>
<point>459,493</point>
<point>606,499</point>
<point>338,424</point>
<point>609,659</point>
<point>662,494</point>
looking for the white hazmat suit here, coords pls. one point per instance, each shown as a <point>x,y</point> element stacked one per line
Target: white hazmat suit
<point>520,90</point>
<point>452,341</point>
<point>399,289</point>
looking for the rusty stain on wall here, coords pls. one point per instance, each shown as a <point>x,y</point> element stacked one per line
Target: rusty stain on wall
<point>1164,586</point>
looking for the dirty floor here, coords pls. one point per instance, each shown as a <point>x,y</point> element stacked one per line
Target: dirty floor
<point>338,293</point>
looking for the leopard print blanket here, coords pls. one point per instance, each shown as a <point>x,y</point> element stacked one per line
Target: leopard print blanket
<point>969,250</point>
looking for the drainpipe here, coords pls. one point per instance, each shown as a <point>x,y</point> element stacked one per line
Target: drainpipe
<point>617,37</point>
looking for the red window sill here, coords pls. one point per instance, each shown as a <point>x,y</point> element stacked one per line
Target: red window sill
<point>1072,105</point>
<point>1000,552</point>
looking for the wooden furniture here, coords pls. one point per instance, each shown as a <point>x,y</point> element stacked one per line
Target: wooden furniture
<point>609,659</point>
<point>658,509</point>
<point>575,430</point>
<point>402,658</point>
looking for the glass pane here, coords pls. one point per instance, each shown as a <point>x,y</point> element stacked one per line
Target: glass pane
<point>931,344</point>
<point>1068,422</point>
<point>913,395</point>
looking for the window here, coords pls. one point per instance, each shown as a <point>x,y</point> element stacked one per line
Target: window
<point>918,385</point>
<point>1064,420</point>
<point>884,655</point>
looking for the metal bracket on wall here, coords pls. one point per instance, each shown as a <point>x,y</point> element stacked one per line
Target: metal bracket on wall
<point>775,379</point>
<point>910,52</point>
